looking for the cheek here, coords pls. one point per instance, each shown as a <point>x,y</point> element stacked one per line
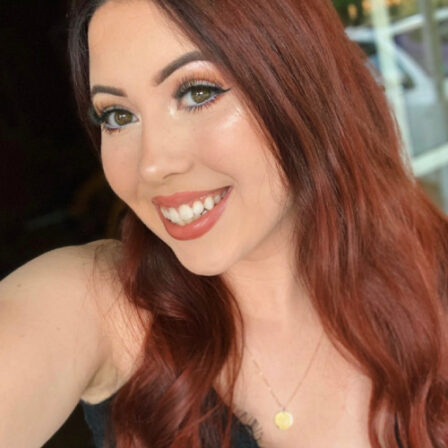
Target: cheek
<point>120,166</point>
<point>229,143</point>
<point>233,145</point>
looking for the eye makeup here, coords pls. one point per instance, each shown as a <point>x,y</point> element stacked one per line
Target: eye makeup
<point>103,118</point>
<point>186,87</point>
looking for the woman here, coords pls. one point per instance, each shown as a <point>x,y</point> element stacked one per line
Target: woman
<point>281,279</point>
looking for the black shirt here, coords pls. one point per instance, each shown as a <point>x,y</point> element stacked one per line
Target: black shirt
<point>97,418</point>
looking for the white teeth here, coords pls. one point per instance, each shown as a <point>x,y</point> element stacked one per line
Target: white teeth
<point>173,215</point>
<point>186,214</point>
<point>198,208</point>
<point>209,203</point>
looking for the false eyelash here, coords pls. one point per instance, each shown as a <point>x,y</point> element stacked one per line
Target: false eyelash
<point>95,118</point>
<point>192,81</point>
<point>186,83</point>
<point>99,119</point>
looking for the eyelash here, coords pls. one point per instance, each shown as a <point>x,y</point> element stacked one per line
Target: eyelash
<point>185,85</point>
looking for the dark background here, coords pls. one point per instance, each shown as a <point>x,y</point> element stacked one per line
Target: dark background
<point>52,189</point>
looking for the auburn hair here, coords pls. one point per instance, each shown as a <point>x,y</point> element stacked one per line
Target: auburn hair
<point>371,248</point>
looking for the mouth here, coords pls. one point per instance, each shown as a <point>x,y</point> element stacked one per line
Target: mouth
<point>193,218</point>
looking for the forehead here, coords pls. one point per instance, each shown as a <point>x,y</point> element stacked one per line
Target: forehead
<point>133,34</point>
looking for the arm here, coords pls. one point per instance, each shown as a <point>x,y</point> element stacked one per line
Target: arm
<point>52,344</point>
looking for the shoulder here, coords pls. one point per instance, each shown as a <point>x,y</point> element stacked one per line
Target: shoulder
<point>72,264</point>
<point>55,338</point>
<point>62,290</point>
<point>74,276</point>
<point>77,288</point>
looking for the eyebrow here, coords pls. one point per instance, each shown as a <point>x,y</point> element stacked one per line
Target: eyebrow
<point>106,89</point>
<point>159,78</point>
<point>176,64</point>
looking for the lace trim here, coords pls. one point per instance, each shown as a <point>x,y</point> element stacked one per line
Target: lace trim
<point>250,423</point>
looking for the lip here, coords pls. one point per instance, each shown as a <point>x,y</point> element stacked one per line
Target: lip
<point>199,227</point>
<point>186,197</point>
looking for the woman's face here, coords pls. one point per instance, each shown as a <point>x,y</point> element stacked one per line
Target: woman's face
<point>181,129</point>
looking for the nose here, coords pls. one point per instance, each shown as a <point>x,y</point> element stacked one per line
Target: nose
<point>163,152</point>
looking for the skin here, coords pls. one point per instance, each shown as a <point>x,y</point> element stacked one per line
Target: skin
<point>163,148</point>
<point>67,330</point>
<point>169,149</point>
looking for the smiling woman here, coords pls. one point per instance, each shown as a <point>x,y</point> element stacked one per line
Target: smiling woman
<point>281,279</point>
<point>173,126</point>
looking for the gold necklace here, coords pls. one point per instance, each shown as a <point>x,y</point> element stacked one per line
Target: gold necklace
<point>283,419</point>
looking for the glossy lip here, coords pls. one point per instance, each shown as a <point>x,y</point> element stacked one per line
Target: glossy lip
<point>186,197</point>
<point>199,227</point>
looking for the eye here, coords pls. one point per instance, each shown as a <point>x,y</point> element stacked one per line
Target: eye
<point>113,118</point>
<point>200,94</point>
<point>119,118</point>
<point>192,94</point>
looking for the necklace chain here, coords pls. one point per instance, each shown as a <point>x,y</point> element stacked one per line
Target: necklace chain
<point>274,395</point>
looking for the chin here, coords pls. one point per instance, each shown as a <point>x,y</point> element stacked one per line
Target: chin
<point>208,266</point>
<point>203,268</point>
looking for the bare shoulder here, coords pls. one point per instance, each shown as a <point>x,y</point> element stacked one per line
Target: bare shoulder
<point>64,323</point>
<point>77,289</point>
<point>72,263</point>
<point>68,273</point>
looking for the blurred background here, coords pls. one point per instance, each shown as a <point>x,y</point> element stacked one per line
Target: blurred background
<point>407,46</point>
<point>52,189</point>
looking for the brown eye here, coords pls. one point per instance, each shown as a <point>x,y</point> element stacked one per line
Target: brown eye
<point>192,95</point>
<point>199,94</point>
<point>121,117</point>
<point>115,119</point>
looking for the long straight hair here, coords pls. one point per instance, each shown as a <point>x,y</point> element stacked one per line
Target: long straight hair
<point>371,248</point>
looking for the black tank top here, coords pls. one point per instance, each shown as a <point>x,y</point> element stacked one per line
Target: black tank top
<point>97,418</point>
